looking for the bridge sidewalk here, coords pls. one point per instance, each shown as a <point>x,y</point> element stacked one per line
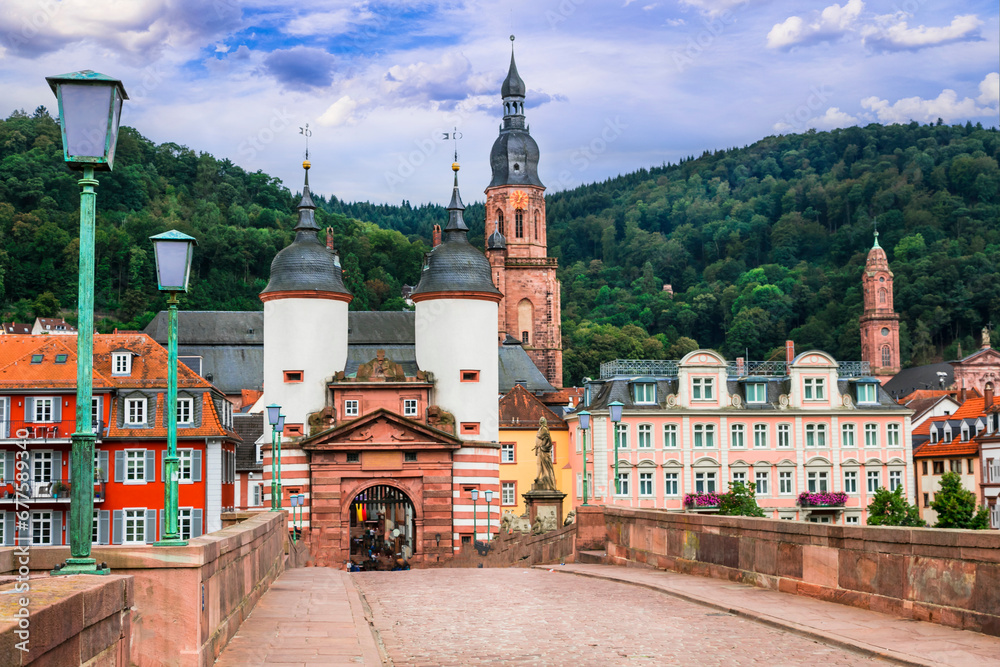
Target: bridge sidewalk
<point>309,616</point>
<point>906,641</point>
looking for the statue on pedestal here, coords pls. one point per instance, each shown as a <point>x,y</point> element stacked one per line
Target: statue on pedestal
<point>546,478</point>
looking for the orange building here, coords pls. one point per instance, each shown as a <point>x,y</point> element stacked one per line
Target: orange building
<point>37,417</point>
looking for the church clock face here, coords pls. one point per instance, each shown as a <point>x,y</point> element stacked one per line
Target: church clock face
<point>885,331</point>
<point>519,199</point>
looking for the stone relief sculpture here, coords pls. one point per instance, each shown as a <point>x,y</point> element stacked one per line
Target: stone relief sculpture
<point>546,478</point>
<point>570,518</point>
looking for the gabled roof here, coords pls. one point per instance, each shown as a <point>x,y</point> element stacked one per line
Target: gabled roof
<point>210,427</point>
<point>970,411</point>
<point>516,366</point>
<point>909,380</point>
<point>249,427</point>
<point>211,327</point>
<point>16,328</point>
<point>380,429</point>
<point>519,408</point>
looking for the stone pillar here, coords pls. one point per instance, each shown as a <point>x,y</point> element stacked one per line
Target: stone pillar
<point>545,503</point>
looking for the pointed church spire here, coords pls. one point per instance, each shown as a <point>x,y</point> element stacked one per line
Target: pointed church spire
<point>456,222</point>
<point>876,241</point>
<point>307,208</point>
<point>513,86</point>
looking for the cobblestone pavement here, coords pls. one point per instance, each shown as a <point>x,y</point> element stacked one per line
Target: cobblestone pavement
<point>535,617</point>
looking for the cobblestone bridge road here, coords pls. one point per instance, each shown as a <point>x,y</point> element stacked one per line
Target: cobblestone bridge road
<point>535,617</point>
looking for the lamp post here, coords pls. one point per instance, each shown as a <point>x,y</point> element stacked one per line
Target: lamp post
<point>273,415</point>
<point>489,520</point>
<point>584,425</point>
<point>302,503</point>
<point>475,497</point>
<point>294,499</point>
<point>173,251</point>
<point>615,408</point>
<point>90,107</point>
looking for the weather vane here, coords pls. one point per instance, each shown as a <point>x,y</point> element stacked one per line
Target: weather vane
<point>454,136</point>
<point>306,132</point>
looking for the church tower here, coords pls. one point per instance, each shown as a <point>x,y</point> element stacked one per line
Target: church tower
<point>516,238</point>
<point>879,323</point>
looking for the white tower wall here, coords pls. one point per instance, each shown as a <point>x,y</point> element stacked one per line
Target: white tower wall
<point>455,335</point>
<point>308,335</point>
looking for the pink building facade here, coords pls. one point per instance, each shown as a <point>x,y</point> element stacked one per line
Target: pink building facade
<point>808,424</point>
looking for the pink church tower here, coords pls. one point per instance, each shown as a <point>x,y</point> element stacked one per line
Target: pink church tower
<point>879,323</point>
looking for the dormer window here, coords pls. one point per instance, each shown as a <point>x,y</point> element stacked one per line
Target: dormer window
<point>815,389</point>
<point>965,432</point>
<point>703,388</point>
<point>947,433</point>
<point>121,363</point>
<point>934,435</point>
<point>756,392</point>
<point>644,393</point>
<point>866,393</point>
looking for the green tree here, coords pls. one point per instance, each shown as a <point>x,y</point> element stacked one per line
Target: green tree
<point>889,508</point>
<point>740,501</point>
<point>46,305</point>
<point>956,506</point>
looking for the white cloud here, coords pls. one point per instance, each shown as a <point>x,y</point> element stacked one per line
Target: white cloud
<point>831,119</point>
<point>990,89</point>
<point>900,37</point>
<point>339,113</point>
<point>673,23</point>
<point>832,23</point>
<point>327,23</point>
<point>946,106</point>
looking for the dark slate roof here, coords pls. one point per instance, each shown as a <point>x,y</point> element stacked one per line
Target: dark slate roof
<point>232,368</point>
<point>404,355</point>
<point>496,241</point>
<point>306,264</point>
<point>513,86</point>
<point>885,400</point>
<point>455,265</point>
<point>249,427</point>
<point>514,159</point>
<point>381,328</point>
<point>515,365</point>
<point>909,380</point>
<point>211,327</point>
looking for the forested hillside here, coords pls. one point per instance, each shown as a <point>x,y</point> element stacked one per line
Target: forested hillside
<point>769,241</point>
<point>759,244</point>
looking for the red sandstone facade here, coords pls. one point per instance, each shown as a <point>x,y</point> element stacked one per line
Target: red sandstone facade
<point>530,308</point>
<point>879,323</point>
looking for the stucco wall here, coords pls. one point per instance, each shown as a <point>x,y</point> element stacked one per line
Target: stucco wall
<point>951,577</point>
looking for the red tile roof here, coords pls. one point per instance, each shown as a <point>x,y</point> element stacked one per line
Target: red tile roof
<point>970,409</point>
<point>519,408</point>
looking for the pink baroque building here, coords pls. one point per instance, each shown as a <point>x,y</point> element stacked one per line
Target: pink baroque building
<point>806,424</point>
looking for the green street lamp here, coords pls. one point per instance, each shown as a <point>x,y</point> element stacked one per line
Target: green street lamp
<point>295,503</point>
<point>615,408</point>
<point>90,106</point>
<point>475,497</point>
<point>274,417</point>
<point>584,425</point>
<point>173,251</point>
<point>489,521</point>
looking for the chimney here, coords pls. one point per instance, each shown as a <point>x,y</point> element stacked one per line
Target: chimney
<point>987,396</point>
<point>789,350</point>
<point>961,393</point>
<point>740,367</point>
<point>436,236</point>
<point>329,239</point>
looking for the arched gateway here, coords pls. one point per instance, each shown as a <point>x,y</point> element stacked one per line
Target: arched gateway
<point>382,527</point>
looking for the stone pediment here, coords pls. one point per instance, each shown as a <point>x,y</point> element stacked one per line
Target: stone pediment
<point>381,429</point>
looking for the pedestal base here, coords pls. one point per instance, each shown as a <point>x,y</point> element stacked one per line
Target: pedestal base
<point>80,566</point>
<point>170,543</point>
<point>546,504</point>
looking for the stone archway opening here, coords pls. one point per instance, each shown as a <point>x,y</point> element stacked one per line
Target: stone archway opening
<point>382,528</point>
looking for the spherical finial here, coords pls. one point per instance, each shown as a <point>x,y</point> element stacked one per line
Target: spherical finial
<point>306,164</point>
<point>512,38</point>
<point>455,166</point>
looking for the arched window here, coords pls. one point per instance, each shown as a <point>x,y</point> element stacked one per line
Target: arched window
<point>886,356</point>
<point>881,296</point>
<point>525,319</point>
<point>519,223</point>
<point>500,220</point>
<point>537,235</point>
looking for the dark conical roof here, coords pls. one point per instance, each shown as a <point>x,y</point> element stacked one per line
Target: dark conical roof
<point>455,265</point>
<point>513,86</point>
<point>496,241</point>
<point>306,264</point>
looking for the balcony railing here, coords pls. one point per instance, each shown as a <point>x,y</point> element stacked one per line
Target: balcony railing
<point>38,430</point>
<point>668,368</point>
<point>632,367</point>
<point>51,489</point>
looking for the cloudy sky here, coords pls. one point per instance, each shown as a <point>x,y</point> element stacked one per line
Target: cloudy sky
<point>613,85</point>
